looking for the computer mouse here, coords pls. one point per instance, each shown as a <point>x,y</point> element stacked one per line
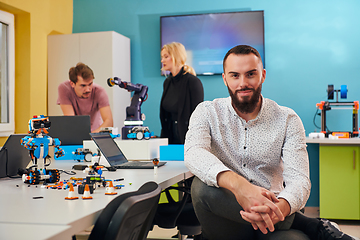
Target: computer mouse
<point>111,169</point>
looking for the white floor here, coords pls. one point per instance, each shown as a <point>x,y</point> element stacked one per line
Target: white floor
<point>350,227</point>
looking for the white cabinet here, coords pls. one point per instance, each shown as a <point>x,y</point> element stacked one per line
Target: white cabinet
<point>106,53</point>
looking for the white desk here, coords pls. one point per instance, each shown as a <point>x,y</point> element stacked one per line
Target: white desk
<point>19,207</point>
<point>327,141</point>
<point>16,231</point>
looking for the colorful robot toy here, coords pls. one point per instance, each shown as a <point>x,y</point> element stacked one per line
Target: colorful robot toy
<point>38,144</point>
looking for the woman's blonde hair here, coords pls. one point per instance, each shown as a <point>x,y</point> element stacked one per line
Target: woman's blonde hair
<point>178,55</point>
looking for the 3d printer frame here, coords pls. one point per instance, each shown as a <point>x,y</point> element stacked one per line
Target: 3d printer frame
<point>326,105</point>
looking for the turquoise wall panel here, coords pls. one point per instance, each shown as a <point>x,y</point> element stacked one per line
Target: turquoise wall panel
<point>308,45</point>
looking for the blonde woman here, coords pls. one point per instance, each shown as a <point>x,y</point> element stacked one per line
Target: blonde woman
<point>182,92</point>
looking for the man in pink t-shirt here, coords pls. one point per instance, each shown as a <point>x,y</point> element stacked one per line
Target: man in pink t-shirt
<point>80,96</point>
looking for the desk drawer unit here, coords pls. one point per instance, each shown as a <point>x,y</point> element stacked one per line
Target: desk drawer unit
<point>339,182</point>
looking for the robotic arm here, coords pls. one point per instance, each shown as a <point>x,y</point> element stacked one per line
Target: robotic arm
<point>133,112</point>
<point>134,118</point>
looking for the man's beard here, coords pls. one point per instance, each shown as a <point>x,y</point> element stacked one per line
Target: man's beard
<point>247,105</point>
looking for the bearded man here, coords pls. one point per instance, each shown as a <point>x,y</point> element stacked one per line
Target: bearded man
<point>250,162</point>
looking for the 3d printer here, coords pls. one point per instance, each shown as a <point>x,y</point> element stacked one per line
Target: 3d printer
<point>326,106</point>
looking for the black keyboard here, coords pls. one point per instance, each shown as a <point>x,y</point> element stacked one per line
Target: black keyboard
<point>132,164</point>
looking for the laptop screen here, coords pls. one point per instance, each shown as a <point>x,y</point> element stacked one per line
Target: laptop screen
<point>13,156</point>
<point>109,148</point>
<point>70,130</point>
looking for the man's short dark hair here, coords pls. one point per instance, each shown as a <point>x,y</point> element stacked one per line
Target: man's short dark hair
<point>80,70</point>
<point>241,49</point>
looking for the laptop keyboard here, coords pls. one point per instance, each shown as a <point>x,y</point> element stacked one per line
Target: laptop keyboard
<point>130,164</point>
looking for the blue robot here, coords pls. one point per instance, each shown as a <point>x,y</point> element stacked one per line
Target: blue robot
<point>38,144</point>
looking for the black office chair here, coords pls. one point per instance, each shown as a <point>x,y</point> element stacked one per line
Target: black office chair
<point>128,216</point>
<point>179,214</point>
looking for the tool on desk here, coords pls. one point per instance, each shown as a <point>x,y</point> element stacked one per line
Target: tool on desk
<point>116,158</point>
<point>87,193</point>
<point>39,197</point>
<point>79,167</point>
<point>111,169</point>
<point>114,131</point>
<point>82,154</point>
<point>156,163</point>
<point>318,135</point>
<point>110,190</point>
<point>93,179</point>
<point>119,179</point>
<point>71,194</point>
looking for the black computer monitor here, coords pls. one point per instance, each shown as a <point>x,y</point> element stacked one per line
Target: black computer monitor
<point>70,130</point>
<point>13,156</point>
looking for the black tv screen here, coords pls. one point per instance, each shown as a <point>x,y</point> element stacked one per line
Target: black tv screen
<point>207,37</point>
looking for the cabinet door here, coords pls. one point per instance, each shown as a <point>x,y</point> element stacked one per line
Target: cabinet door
<point>339,182</point>
<point>106,53</point>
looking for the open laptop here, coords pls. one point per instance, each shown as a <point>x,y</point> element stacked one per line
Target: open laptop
<point>13,156</point>
<point>70,130</point>
<point>115,156</point>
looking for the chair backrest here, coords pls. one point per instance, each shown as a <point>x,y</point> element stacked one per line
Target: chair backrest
<point>168,213</point>
<point>128,216</point>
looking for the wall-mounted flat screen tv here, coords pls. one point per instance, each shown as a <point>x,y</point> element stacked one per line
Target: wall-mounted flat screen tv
<point>207,37</point>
